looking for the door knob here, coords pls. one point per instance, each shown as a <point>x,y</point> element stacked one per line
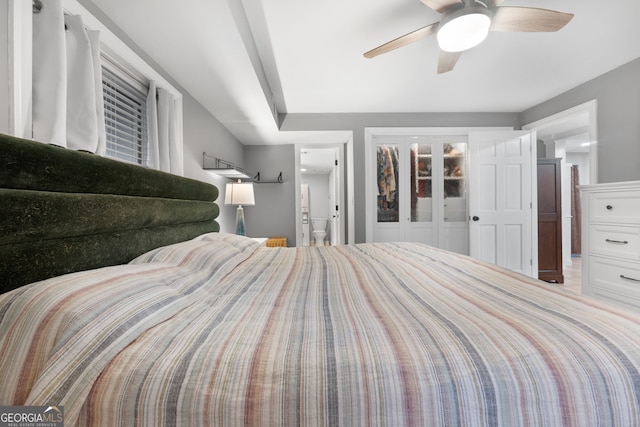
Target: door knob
<point>476,218</point>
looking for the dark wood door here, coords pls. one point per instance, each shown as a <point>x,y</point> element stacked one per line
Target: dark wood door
<point>549,221</point>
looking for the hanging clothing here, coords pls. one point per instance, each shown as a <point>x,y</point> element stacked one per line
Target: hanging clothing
<point>387,167</point>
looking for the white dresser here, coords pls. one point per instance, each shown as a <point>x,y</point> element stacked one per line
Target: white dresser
<point>611,242</point>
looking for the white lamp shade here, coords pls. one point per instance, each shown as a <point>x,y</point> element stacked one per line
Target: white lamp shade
<point>239,193</point>
<point>463,32</point>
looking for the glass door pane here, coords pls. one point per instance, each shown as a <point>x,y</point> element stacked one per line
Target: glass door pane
<point>455,175</point>
<point>388,183</point>
<point>421,183</point>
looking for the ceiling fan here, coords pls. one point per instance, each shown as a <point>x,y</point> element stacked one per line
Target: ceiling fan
<point>466,23</point>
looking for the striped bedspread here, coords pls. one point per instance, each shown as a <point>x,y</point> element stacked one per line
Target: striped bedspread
<point>220,331</point>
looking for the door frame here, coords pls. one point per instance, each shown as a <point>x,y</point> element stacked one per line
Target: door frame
<point>590,109</point>
<point>344,185</point>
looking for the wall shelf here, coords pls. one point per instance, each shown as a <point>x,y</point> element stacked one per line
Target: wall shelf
<point>223,167</point>
<point>278,180</point>
<point>231,171</point>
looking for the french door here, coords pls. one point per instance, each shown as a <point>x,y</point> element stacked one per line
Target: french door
<point>404,203</point>
<point>420,184</point>
<point>418,189</point>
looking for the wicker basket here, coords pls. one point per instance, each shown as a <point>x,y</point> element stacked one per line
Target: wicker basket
<point>274,242</point>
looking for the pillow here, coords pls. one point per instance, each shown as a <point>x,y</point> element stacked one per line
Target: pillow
<point>208,258</point>
<point>201,251</point>
<point>241,243</point>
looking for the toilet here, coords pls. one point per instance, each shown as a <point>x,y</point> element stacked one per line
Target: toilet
<point>319,230</point>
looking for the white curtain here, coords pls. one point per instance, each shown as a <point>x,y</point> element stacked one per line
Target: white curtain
<point>49,75</point>
<point>68,106</point>
<point>164,131</point>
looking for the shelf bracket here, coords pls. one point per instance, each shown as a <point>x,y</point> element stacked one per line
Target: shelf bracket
<point>278,180</point>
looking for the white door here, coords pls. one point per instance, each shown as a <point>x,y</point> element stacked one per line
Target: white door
<point>403,202</point>
<point>420,189</point>
<point>501,199</point>
<point>387,177</point>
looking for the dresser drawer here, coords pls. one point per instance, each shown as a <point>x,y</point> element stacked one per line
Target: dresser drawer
<point>615,206</point>
<point>614,280</point>
<point>615,241</point>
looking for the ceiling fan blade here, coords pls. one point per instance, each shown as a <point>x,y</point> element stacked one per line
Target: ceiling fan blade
<point>403,40</point>
<point>447,61</point>
<point>441,6</point>
<point>528,19</point>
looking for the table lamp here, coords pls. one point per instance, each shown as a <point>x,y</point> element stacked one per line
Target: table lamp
<point>239,193</point>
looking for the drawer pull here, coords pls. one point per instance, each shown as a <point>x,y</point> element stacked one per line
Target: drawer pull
<point>609,207</point>
<point>629,278</point>
<point>622,242</point>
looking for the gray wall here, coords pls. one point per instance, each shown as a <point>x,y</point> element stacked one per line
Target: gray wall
<point>358,122</point>
<point>618,109</point>
<point>274,211</point>
<point>318,194</point>
<point>203,133</point>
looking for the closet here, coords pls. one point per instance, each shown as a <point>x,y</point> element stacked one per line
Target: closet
<point>467,190</point>
<point>421,184</point>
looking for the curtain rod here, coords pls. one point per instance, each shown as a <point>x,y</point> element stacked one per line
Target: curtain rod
<point>37,7</point>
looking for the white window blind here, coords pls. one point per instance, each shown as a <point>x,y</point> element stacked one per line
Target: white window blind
<point>125,110</point>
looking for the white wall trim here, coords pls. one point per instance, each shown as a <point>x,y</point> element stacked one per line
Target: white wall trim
<point>351,204</point>
<point>589,107</point>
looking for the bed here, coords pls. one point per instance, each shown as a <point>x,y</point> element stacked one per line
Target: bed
<point>215,329</point>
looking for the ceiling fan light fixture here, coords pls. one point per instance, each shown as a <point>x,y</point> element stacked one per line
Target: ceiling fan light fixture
<point>462,31</point>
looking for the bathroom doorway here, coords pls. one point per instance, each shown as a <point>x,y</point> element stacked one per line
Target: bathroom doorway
<point>319,217</point>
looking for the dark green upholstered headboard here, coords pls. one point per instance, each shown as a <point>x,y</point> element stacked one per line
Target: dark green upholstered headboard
<point>64,211</point>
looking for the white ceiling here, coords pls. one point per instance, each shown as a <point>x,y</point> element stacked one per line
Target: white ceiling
<point>240,58</point>
<point>317,160</point>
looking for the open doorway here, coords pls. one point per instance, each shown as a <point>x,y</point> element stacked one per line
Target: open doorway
<point>571,136</point>
<point>321,199</point>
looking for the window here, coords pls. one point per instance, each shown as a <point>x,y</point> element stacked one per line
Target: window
<point>125,111</point>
